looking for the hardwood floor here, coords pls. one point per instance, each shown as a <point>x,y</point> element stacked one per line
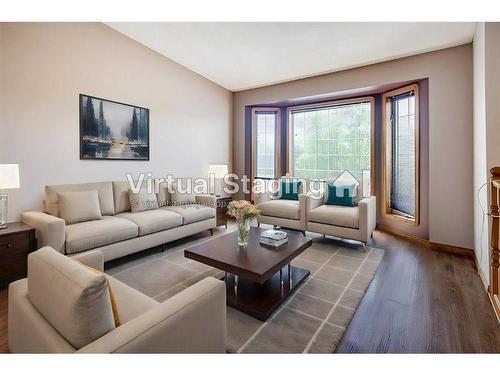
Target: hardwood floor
<point>420,301</point>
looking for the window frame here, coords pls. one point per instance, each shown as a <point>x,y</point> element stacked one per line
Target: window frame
<point>277,143</point>
<point>387,211</point>
<point>334,103</point>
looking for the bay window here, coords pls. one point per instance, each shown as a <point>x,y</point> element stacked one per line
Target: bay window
<point>326,140</point>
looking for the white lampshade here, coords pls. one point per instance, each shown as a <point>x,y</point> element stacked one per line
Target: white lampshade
<point>218,170</point>
<point>9,176</point>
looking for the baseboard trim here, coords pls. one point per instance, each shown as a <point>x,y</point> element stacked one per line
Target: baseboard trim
<point>428,244</point>
<point>484,280</point>
<point>408,236</point>
<point>452,249</point>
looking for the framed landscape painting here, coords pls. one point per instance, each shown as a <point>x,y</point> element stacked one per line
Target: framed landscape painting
<point>111,130</point>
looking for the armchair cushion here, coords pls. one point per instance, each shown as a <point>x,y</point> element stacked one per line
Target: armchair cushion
<point>130,302</point>
<point>74,299</point>
<point>340,195</point>
<point>96,233</point>
<point>340,216</point>
<point>282,208</point>
<point>290,189</point>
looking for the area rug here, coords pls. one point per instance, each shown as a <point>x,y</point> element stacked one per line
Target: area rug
<point>313,320</point>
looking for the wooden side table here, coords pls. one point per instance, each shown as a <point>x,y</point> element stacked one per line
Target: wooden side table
<point>221,215</point>
<point>16,242</point>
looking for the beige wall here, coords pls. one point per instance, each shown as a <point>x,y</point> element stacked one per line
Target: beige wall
<point>486,130</point>
<point>43,69</point>
<point>480,195</point>
<point>450,127</point>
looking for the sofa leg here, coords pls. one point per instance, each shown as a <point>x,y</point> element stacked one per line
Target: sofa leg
<point>163,248</point>
<point>258,224</point>
<point>303,232</point>
<point>371,235</point>
<point>211,231</point>
<point>364,247</point>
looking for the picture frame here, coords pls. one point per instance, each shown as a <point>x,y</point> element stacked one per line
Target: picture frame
<point>112,130</point>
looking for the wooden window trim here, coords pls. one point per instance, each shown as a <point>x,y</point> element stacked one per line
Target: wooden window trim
<point>277,145</point>
<point>386,152</point>
<point>334,103</point>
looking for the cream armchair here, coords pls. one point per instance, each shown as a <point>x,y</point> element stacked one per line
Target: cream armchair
<point>355,223</point>
<point>65,307</point>
<point>285,213</point>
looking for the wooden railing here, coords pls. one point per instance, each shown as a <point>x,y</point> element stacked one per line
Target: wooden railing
<point>495,227</point>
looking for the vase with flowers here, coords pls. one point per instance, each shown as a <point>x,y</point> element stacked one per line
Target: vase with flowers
<point>242,211</point>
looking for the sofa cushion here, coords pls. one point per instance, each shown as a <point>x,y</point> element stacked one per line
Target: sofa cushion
<point>72,298</point>
<point>120,195</point>
<point>163,189</point>
<point>340,216</point>
<point>78,206</point>
<point>153,220</point>
<point>104,189</point>
<point>143,200</point>
<point>96,233</point>
<point>130,302</point>
<point>283,208</point>
<point>192,213</point>
<point>182,198</point>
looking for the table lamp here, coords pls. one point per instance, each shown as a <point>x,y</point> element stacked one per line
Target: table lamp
<point>216,171</point>
<point>9,179</point>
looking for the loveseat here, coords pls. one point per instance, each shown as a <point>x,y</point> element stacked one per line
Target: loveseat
<point>119,231</point>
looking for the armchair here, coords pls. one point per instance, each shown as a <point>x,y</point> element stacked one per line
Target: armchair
<point>285,213</point>
<point>356,223</point>
<point>64,307</point>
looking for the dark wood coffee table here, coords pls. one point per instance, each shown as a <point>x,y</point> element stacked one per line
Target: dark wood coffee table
<point>258,278</point>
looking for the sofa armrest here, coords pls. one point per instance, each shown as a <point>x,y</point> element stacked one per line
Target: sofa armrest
<point>92,258</point>
<point>193,321</point>
<point>50,230</point>
<point>367,216</point>
<point>303,210</point>
<point>207,200</point>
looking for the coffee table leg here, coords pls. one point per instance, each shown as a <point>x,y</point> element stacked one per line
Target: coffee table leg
<point>235,284</point>
<point>289,276</point>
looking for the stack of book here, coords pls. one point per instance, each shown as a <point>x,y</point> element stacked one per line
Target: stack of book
<point>274,238</point>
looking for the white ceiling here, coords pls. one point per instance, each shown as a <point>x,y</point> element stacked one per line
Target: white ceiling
<point>240,56</point>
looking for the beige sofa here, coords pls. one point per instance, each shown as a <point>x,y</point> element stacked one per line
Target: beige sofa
<point>65,307</point>
<point>310,213</point>
<point>119,232</point>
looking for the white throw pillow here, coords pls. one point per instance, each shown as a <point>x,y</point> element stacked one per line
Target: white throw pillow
<point>73,299</point>
<point>78,206</point>
<point>143,201</point>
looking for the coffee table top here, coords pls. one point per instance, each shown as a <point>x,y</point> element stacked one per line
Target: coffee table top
<point>257,262</point>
